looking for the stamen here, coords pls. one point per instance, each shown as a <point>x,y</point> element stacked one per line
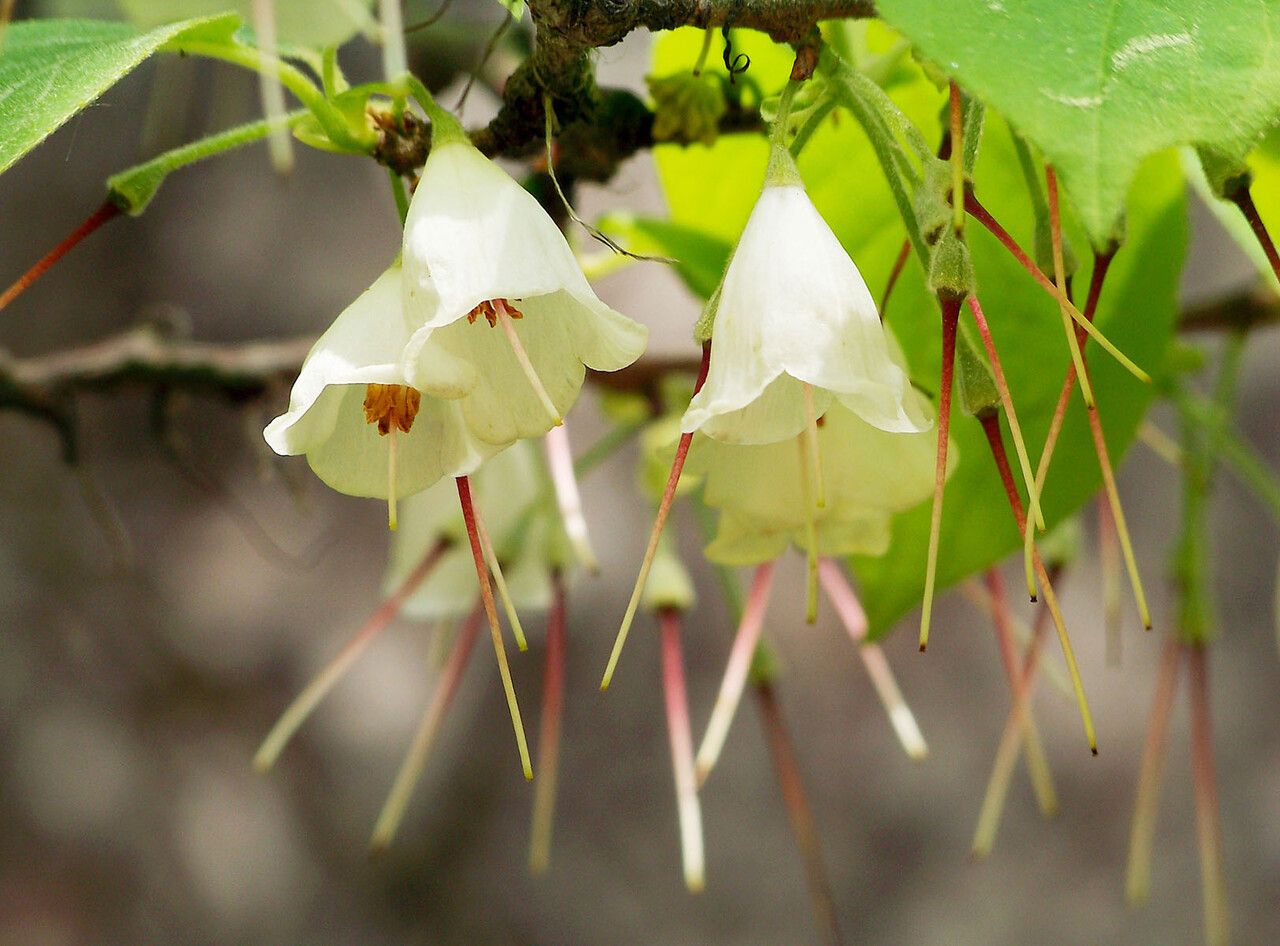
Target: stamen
<point>991,426</point>
<point>950,319</point>
<point>810,535</point>
<point>735,673</point>
<point>491,612</point>
<point>415,760</point>
<point>659,522</point>
<point>1137,880</point>
<point>687,806</point>
<point>306,701</point>
<point>1208,829</point>
<point>565,481</point>
<point>504,316</point>
<point>544,790</point>
<point>811,442</point>
<point>983,216</point>
<point>391,406</point>
<point>504,593</point>
<point>108,211</point>
<point>847,606</point>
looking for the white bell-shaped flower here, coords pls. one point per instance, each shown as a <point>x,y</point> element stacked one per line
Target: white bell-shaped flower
<point>795,329</point>
<point>493,290</point>
<point>365,429</point>
<point>766,496</point>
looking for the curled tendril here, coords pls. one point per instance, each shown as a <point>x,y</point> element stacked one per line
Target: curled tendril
<point>736,65</point>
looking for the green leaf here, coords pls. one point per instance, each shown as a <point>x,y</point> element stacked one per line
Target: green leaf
<point>715,188</point>
<point>1100,86</point>
<point>51,69</point>
<point>514,7</point>
<point>313,24</point>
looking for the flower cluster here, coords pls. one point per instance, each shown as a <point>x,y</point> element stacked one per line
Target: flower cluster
<point>803,429</point>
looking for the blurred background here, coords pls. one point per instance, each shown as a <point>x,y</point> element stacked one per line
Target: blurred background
<point>161,606</point>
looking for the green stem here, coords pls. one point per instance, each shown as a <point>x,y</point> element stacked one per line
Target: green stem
<point>133,189</point>
<point>898,171</point>
<point>812,123</point>
<point>400,195</point>
<point>293,79</point>
<point>444,126</point>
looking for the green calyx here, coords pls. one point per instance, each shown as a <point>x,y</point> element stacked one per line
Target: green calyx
<point>951,267</point>
<point>978,393</point>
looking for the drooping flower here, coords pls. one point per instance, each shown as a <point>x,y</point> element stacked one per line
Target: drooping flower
<point>493,289</point>
<point>795,328</point>
<point>765,503</point>
<point>364,428</point>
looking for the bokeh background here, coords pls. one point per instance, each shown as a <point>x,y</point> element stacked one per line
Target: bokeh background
<point>161,605</point>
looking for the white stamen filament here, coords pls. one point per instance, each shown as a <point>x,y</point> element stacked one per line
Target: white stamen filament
<point>415,760</point>
<point>735,673</point>
<point>306,701</point>
<point>688,808</point>
<point>392,519</point>
<point>811,444</point>
<point>560,463</point>
<point>522,356</point>
<point>504,593</point>
<point>279,143</point>
<point>854,619</point>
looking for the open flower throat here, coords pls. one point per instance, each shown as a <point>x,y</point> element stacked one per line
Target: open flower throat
<point>492,309</point>
<point>391,406</point>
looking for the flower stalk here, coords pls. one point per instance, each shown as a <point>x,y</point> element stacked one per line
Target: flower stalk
<point>736,671</point>
<point>544,792</point>
<point>491,613</point>
<point>319,688</point>
<point>415,760</point>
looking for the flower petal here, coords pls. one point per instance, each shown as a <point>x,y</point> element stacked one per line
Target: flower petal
<point>362,346</point>
<point>354,457</point>
<point>474,234</point>
<point>793,302</point>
